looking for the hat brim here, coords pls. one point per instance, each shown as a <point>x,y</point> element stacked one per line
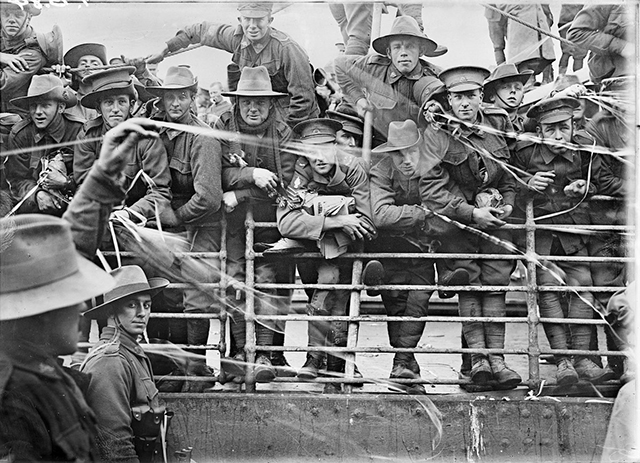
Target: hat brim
<point>382,43</point>
<point>156,285</point>
<point>318,140</point>
<point>88,282</point>
<point>387,148</point>
<point>465,87</point>
<point>72,57</point>
<point>254,93</point>
<point>24,101</point>
<point>335,115</point>
<point>159,91</point>
<point>90,100</point>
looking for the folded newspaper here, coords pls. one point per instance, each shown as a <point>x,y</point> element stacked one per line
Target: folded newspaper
<point>332,244</point>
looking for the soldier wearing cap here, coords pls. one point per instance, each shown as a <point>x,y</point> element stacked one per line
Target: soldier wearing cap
<point>21,55</point>
<point>45,277</point>
<point>219,104</point>
<point>256,168</point>
<point>48,170</point>
<point>113,95</point>
<point>350,135</point>
<point>195,166</point>
<point>121,389</point>
<point>404,225</point>
<point>324,170</point>
<point>504,88</point>
<point>255,43</point>
<point>383,82</point>
<point>464,180</point>
<point>556,180</point>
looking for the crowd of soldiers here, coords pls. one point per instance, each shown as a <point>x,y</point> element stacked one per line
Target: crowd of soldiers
<point>455,157</point>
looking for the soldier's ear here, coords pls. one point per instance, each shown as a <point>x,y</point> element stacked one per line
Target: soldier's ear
<point>270,19</point>
<point>538,130</point>
<point>388,53</point>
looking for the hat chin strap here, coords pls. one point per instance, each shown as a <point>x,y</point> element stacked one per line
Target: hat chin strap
<point>504,102</point>
<point>121,327</point>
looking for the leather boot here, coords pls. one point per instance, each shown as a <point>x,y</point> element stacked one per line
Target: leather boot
<point>335,365</point>
<point>566,375</point>
<point>311,367</point>
<point>481,370</point>
<point>504,376</point>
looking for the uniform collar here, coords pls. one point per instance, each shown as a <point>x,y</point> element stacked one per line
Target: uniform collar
<point>32,357</point>
<point>55,130</point>
<point>126,341</point>
<point>393,75</point>
<point>186,119</point>
<point>473,129</point>
<point>548,156</point>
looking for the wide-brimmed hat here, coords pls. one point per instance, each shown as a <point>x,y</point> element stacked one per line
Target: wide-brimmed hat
<point>348,117</point>
<point>46,87</point>
<point>130,281</point>
<point>254,82</point>
<point>109,81</point>
<point>404,26</point>
<point>554,109</point>
<point>426,88</point>
<point>72,57</point>
<point>255,10</point>
<point>26,6</point>
<point>141,90</point>
<point>402,135</point>
<point>40,269</point>
<point>463,78</point>
<point>317,131</point>
<point>178,78</point>
<point>505,71</point>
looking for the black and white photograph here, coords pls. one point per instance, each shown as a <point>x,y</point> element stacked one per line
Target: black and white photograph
<point>319,231</point>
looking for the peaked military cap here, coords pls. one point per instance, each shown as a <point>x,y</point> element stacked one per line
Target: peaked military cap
<point>255,10</point>
<point>554,109</point>
<point>317,131</point>
<point>108,81</point>
<point>463,78</point>
<point>348,117</point>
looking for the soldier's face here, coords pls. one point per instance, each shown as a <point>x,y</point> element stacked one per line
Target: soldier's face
<point>465,105</point>
<point>346,139</point>
<point>115,109</point>
<point>133,313</point>
<point>43,112</point>
<point>177,103</point>
<point>62,335</point>
<point>322,158</point>
<point>557,131</point>
<point>254,110</point>
<point>255,28</point>
<point>88,62</point>
<point>12,18</point>
<point>407,160</point>
<point>216,93</point>
<point>404,54</point>
<point>509,95</point>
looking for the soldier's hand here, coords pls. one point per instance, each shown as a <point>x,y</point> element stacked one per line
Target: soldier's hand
<point>53,179</point>
<point>157,57</point>
<point>119,143</point>
<point>430,110</point>
<point>168,217</point>
<point>230,201</point>
<point>507,209</point>
<point>363,106</point>
<point>139,63</point>
<point>16,62</point>
<point>61,69</point>
<point>265,179</point>
<point>541,180</point>
<point>351,225</point>
<point>487,217</point>
<point>576,189</point>
<point>46,202</point>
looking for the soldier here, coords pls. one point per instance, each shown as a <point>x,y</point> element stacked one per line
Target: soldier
<point>383,82</point>
<point>121,389</point>
<point>21,55</point>
<point>85,57</point>
<point>219,104</point>
<point>504,88</point>
<point>255,43</point>
<point>325,170</point>
<point>404,225</point>
<point>113,95</point>
<point>605,31</point>
<point>255,167</point>
<point>567,15</point>
<point>556,179</point>
<point>468,185</point>
<point>350,135</point>
<point>43,178</point>
<point>44,283</point>
<point>497,23</point>
<point>195,166</point>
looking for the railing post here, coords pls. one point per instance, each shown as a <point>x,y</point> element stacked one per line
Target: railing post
<point>532,299</point>
<point>250,337</point>
<point>222,291</point>
<point>353,327</point>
